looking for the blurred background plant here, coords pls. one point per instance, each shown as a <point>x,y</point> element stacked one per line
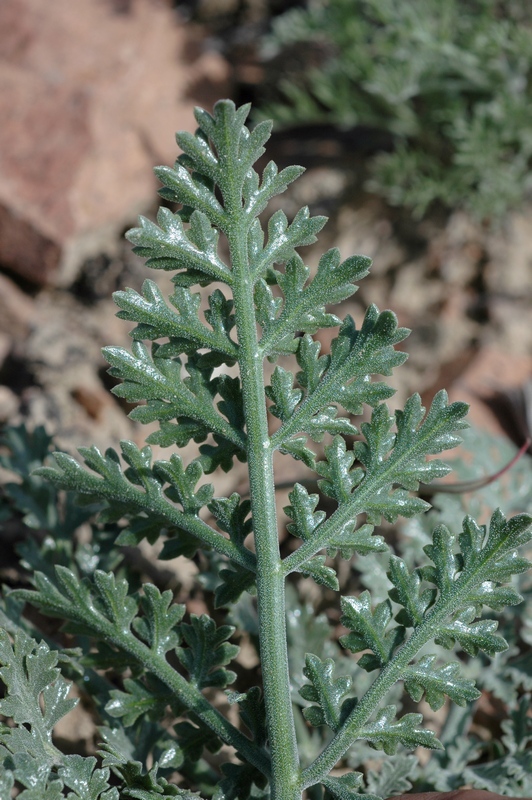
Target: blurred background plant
<point>446,88</point>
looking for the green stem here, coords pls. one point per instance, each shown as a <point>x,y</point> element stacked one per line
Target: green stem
<point>193,699</point>
<point>197,527</point>
<point>352,728</point>
<point>156,664</point>
<point>148,500</point>
<point>285,780</point>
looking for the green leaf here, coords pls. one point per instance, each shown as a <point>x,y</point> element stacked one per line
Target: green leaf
<point>220,454</point>
<point>446,563</point>
<point>207,652</point>
<point>304,306</point>
<point>156,319</point>
<point>169,433</point>
<point>7,781</point>
<point>339,480</point>
<point>370,630</point>
<point>471,636</point>
<point>392,504</point>
<point>86,782</point>
<point>386,733</point>
<point>355,354</point>
<point>122,488</point>
<point>326,421</point>
<point>138,700</point>
<point>392,776</point>
<point>302,512</point>
<point>312,364</point>
<point>252,712</point>
<point>117,606</point>
<point>350,540</point>
<point>235,581</point>
<point>296,447</point>
<point>137,781</point>
<point>220,314</point>
<point>267,305</point>
<point>233,516</point>
<point>511,534</point>
<point>323,575</point>
<point>284,397</point>
<point>328,694</point>
<point>346,787</point>
<point>416,437</point>
<point>166,245</point>
<point>182,482</point>
<point>194,739</point>
<point>442,421</point>
<point>36,698</point>
<point>231,405</point>
<point>487,559</point>
<point>407,593</point>
<point>283,238</point>
<point>273,182</point>
<point>238,782</point>
<point>152,377</point>
<point>438,682</point>
<point>158,627</point>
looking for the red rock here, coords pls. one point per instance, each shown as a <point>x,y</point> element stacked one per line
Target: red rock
<point>91,96</point>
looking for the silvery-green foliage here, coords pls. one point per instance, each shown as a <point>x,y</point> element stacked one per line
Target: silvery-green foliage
<point>507,676</point>
<point>436,81</point>
<point>322,703</point>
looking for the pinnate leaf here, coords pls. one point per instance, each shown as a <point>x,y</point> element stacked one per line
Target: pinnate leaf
<point>234,581</point>
<point>370,630</point>
<point>182,482</point>
<point>252,712</point>
<point>392,777</point>
<point>438,682</point>
<point>167,245</point>
<point>339,479</point>
<point>322,574</point>
<point>284,237</point>
<point>194,739</point>
<point>407,593</point>
<point>328,694</point>
<point>207,652</point>
<point>302,512</point>
<point>156,319</point>
<point>472,636</point>
<point>238,782</point>
<point>346,787</point>
<point>284,397</point>
<point>312,364</point>
<point>84,780</point>
<point>304,307</point>
<point>233,516</point>
<point>297,448</point>
<point>386,733</point>
<point>161,616</point>
<point>351,540</point>
<point>138,700</point>
<point>30,674</point>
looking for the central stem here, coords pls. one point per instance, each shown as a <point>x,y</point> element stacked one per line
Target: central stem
<point>285,770</point>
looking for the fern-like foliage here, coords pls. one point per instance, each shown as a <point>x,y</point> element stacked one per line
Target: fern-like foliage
<point>265,307</point>
<point>435,84</point>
